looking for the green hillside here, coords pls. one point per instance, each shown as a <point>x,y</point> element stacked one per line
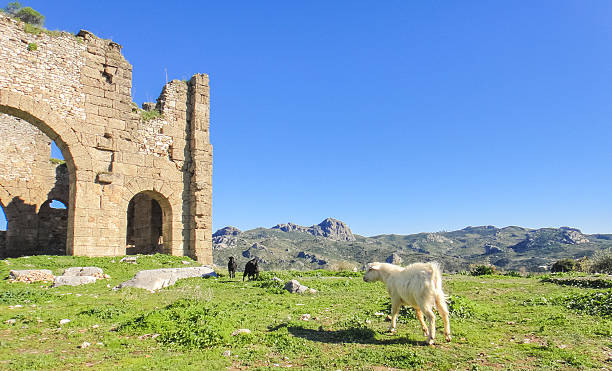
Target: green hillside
<point>508,248</point>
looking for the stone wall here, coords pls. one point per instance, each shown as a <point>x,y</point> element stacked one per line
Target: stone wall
<point>76,89</point>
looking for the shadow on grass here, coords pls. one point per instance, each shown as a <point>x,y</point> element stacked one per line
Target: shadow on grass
<point>360,335</point>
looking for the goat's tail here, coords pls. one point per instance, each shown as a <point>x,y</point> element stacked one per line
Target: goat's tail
<point>436,279</point>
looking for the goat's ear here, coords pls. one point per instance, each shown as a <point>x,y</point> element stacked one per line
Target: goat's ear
<point>374,266</point>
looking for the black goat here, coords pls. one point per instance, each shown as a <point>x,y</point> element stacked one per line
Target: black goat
<point>251,269</point>
<point>231,267</point>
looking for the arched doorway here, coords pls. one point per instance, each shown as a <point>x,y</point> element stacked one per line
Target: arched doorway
<point>31,178</point>
<point>149,217</point>
<point>52,228</point>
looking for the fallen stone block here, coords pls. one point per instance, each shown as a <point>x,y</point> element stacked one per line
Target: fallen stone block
<point>83,271</point>
<point>73,280</point>
<point>155,279</point>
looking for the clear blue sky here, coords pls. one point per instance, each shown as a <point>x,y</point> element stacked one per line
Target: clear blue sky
<point>395,116</point>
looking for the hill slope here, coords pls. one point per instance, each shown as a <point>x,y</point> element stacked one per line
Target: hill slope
<point>331,244</point>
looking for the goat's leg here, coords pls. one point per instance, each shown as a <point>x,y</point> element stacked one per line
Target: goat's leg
<point>431,318</point>
<point>443,310</point>
<point>419,316</point>
<point>396,304</point>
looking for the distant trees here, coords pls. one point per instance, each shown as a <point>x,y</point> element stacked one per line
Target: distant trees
<point>26,14</point>
<point>564,265</point>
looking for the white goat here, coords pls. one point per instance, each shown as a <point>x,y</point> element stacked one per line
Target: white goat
<point>418,285</point>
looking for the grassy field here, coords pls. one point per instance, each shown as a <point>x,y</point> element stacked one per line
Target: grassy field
<point>498,322</point>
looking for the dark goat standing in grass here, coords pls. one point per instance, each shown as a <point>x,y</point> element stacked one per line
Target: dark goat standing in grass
<point>231,267</point>
<point>251,269</point>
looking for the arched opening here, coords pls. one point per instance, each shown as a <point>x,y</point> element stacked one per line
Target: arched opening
<point>52,228</point>
<point>148,224</point>
<point>36,184</point>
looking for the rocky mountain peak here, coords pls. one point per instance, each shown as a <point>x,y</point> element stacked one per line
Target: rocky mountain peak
<point>329,228</point>
<point>227,231</point>
<point>334,229</point>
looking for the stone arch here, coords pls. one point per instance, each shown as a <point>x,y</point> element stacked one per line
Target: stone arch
<point>52,228</point>
<point>42,116</point>
<point>170,201</point>
<point>148,219</point>
<point>78,159</point>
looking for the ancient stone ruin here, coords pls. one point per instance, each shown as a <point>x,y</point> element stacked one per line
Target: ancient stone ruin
<point>134,180</point>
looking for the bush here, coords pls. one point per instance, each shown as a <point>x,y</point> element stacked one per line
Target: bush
<point>481,270</point>
<point>30,16</point>
<point>601,262</point>
<point>25,14</point>
<point>187,323</point>
<point>593,303</point>
<point>564,265</point>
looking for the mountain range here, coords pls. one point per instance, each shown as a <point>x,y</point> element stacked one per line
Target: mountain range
<point>331,245</point>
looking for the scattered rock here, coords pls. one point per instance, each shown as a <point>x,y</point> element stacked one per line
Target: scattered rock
<point>185,262</point>
<point>64,321</point>
<point>379,314</point>
<point>84,345</point>
<point>11,321</point>
<point>276,279</point>
<point>227,353</point>
<point>31,275</point>
<point>241,331</point>
<point>73,280</point>
<point>128,259</point>
<point>83,271</point>
<point>155,279</point>
<point>295,287</point>
<point>305,317</point>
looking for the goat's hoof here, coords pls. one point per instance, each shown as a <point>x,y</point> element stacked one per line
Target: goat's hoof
<point>448,338</point>
<point>430,342</point>
<point>392,331</point>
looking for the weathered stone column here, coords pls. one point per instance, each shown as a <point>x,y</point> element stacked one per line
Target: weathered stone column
<point>200,244</point>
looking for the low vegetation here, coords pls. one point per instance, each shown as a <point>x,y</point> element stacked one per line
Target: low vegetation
<point>149,115</point>
<point>498,321</point>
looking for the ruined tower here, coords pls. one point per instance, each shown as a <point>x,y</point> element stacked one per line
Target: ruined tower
<point>134,181</point>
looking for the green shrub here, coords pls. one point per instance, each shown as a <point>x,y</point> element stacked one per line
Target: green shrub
<point>103,313</point>
<point>272,286</point>
<point>593,303</point>
<point>25,14</point>
<point>28,28</point>
<point>21,295</point>
<point>187,323</point>
<point>482,270</point>
<point>32,47</point>
<point>564,265</point>
<point>30,16</point>
<point>601,262</point>
<point>460,307</point>
<point>149,115</point>
<point>584,282</point>
<point>57,161</point>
